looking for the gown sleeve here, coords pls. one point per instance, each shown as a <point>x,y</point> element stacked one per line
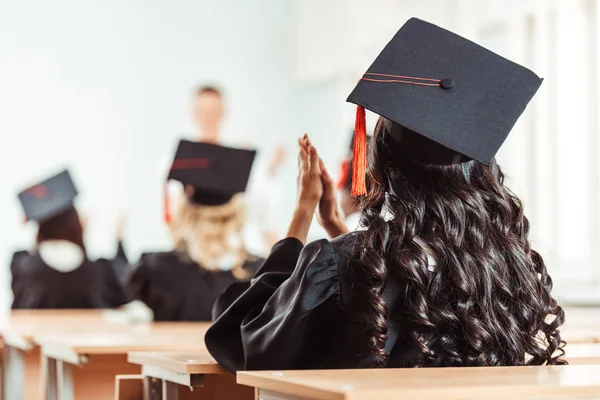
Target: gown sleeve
<point>17,285</point>
<point>121,262</point>
<point>288,317</point>
<point>146,284</point>
<point>114,294</point>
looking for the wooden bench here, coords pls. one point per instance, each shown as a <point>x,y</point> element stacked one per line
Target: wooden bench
<point>560,382</point>
<point>101,356</point>
<point>187,375</point>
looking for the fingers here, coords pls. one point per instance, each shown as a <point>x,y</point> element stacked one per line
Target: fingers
<point>327,180</point>
<point>314,165</point>
<point>302,155</point>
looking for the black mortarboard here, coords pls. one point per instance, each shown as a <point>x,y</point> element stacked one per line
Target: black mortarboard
<point>48,198</point>
<point>216,173</point>
<point>444,91</point>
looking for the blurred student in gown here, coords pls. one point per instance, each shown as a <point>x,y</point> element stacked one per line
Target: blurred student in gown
<point>265,187</point>
<point>206,227</point>
<point>57,273</point>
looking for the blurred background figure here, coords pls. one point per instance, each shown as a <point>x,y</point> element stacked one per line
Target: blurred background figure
<point>57,273</point>
<point>265,191</point>
<point>115,102</point>
<point>209,111</point>
<point>206,226</point>
<point>265,188</point>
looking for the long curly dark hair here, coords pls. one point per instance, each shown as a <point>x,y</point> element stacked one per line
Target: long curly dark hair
<point>488,300</point>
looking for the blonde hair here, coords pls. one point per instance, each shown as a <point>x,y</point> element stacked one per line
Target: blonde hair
<point>209,233</point>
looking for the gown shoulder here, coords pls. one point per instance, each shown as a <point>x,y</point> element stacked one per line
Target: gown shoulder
<point>288,316</point>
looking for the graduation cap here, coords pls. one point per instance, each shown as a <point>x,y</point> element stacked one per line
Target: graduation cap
<point>215,173</point>
<point>48,198</point>
<point>446,99</point>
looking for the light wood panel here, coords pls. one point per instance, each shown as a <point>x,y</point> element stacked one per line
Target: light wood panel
<point>198,362</point>
<point>432,383</point>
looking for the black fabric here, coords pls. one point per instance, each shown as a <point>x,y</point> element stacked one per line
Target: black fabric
<point>178,289</point>
<point>209,198</point>
<point>215,172</point>
<point>121,263</point>
<point>36,285</point>
<point>297,313</point>
<point>474,116</point>
<point>48,198</point>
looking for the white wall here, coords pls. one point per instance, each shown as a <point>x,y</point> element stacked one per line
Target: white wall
<point>105,88</point>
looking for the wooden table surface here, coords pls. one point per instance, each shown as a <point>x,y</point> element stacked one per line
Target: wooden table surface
<point>73,333</point>
<point>435,383</point>
<point>184,362</point>
<point>582,325</point>
<point>147,337</point>
<point>19,328</point>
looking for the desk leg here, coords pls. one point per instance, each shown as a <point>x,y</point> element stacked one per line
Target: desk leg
<point>152,389</point>
<point>65,380</point>
<point>12,374</point>
<point>170,390</point>
<point>50,378</point>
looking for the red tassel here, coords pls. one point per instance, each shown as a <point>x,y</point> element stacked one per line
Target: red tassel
<point>359,161</point>
<point>167,207</point>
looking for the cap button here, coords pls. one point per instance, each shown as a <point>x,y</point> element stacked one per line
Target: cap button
<point>447,83</point>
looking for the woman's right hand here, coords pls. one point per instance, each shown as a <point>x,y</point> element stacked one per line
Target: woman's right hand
<point>310,190</point>
<point>329,215</point>
<point>310,186</point>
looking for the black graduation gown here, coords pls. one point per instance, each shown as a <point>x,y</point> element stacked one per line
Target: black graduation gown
<point>37,285</point>
<point>297,314</point>
<point>121,263</point>
<point>178,289</point>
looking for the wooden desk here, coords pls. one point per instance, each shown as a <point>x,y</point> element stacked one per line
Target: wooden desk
<point>582,325</point>
<point>587,354</point>
<point>21,358</point>
<point>178,371</point>
<point>577,381</point>
<point>101,356</point>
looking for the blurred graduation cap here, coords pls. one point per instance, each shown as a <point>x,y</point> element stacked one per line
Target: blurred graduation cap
<point>48,198</point>
<point>446,99</point>
<point>215,173</point>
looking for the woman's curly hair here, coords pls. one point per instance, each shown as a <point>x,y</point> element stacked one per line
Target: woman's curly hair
<point>488,301</point>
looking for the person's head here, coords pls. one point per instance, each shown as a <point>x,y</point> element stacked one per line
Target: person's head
<point>211,234</point>
<point>208,111</point>
<point>488,299</point>
<point>64,226</point>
